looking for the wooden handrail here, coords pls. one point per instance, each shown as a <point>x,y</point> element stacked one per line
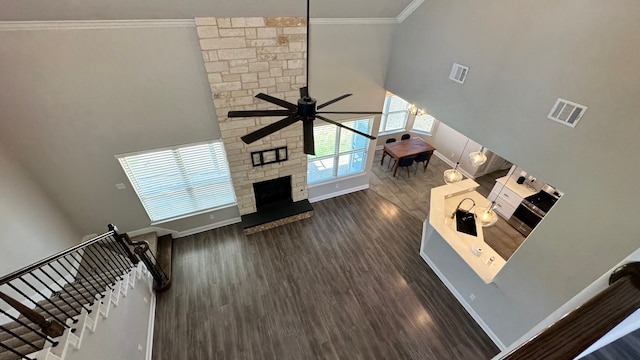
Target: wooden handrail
<point>51,328</point>
<point>576,331</point>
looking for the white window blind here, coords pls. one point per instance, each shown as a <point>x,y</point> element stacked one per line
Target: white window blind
<point>182,180</point>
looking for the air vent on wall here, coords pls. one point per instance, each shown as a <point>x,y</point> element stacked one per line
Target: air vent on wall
<point>567,112</point>
<point>458,73</point>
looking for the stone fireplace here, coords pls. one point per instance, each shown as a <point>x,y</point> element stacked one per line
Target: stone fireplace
<point>244,57</point>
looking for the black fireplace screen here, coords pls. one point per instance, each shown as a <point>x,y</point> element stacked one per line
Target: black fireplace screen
<point>272,192</point>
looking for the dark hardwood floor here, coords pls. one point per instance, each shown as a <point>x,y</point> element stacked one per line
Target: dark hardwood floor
<point>347,283</point>
<point>627,347</point>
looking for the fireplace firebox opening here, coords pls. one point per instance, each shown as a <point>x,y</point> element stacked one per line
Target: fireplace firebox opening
<point>272,193</point>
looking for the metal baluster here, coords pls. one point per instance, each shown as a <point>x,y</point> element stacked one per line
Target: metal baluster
<point>15,352</point>
<point>106,269</point>
<point>98,291</point>
<point>53,292</point>
<point>101,274</point>
<point>64,287</point>
<point>19,337</point>
<point>155,261</point>
<point>123,240</point>
<point>38,305</point>
<point>90,302</point>
<point>108,263</point>
<point>44,297</point>
<point>41,334</point>
<point>110,258</point>
<point>112,245</point>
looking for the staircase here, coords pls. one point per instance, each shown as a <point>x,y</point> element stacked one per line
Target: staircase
<point>49,307</point>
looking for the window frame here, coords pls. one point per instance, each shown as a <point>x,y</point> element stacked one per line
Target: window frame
<point>337,153</point>
<point>384,117</point>
<point>418,131</point>
<point>134,183</point>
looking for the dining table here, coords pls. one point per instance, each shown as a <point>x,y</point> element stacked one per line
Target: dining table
<point>405,148</point>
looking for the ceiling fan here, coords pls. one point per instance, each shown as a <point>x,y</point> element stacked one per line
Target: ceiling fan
<point>305,110</point>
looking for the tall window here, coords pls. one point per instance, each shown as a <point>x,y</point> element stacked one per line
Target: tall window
<point>182,180</point>
<point>339,152</point>
<point>423,123</point>
<point>394,114</point>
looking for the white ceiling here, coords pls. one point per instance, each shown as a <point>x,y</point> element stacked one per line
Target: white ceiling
<point>29,10</point>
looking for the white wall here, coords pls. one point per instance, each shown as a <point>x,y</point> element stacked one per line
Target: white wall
<point>126,328</point>
<point>349,59</point>
<point>33,226</point>
<point>522,56</point>
<point>72,99</point>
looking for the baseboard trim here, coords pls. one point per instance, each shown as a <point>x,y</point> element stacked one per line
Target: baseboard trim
<point>338,193</point>
<point>209,227</point>
<point>176,234</point>
<point>464,303</point>
<point>152,323</point>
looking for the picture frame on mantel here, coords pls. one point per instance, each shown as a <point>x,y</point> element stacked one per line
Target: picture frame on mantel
<point>264,157</point>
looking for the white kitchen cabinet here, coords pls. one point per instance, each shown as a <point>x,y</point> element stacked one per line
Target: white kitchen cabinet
<point>506,200</point>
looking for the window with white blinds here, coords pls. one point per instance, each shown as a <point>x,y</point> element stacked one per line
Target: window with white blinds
<point>179,181</point>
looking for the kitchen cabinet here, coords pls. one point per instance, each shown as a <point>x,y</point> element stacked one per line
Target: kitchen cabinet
<point>508,197</point>
<point>506,200</point>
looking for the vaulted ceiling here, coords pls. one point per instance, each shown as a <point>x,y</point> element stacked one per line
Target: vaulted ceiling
<point>27,10</point>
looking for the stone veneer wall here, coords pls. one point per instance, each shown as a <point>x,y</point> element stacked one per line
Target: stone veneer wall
<point>244,57</point>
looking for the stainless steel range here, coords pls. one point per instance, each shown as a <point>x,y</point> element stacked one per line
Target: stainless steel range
<point>532,209</point>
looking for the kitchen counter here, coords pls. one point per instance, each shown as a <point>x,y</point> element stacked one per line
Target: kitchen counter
<point>444,200</point>
<point>521,190</point>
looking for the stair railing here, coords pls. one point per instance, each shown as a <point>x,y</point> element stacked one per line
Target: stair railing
<point>51,293</point>
<point>576,331</point>
<point>141,248</point>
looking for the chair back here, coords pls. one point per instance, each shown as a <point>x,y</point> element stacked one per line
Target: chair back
<point>406,162</point>
<point>423,156</point>
<point>405,136</point>
<point>390,140</point>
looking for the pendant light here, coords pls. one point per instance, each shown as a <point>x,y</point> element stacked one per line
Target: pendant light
<point>413,109</point>
<point>452,176</point>
<point>487,215</point>
<point>477,158</point>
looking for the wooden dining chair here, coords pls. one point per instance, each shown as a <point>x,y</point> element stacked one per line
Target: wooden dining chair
<point>424,159</point>
<point>405,137</point>
<point>405,163</point>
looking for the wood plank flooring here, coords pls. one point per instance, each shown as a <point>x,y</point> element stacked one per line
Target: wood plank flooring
<point>347,283</point>
<point>627,347</point>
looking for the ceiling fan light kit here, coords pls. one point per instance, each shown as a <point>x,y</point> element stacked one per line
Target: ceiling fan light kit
<point>306,110</point>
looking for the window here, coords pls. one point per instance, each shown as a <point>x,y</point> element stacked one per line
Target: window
<point>394,114</point>
<point>339,152</point>
<point>423,123</point>
<point>178,181</point>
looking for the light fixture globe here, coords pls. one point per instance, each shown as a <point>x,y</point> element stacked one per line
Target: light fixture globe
<point>477,158</point>
<point>452,176</point>
<point>487,216</point>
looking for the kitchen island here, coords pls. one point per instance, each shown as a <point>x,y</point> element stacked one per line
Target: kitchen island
<point>440,227</point>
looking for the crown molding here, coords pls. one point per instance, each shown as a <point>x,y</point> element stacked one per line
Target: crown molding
<point>353,21</point>
<point>408,10</point>
<point>94,24</point>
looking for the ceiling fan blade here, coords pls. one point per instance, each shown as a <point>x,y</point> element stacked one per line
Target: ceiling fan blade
<point>304,92</point>
<point>351,112</point>
<point>332,101</point>
<point>279,102</point>
<point>345,127</point>
<point>255,113</point>
<point>269,129</point>
<point>309,146</point>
